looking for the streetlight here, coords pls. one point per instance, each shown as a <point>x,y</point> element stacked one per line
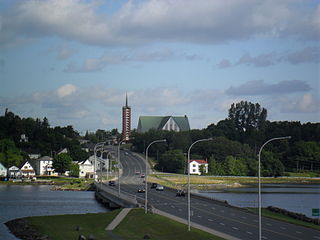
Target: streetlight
<point>146,174</point>
<point>98,145</point>
<point>108,163</point>
<point>189,211</point>
<point>119,165</point>
<point>259,181</point>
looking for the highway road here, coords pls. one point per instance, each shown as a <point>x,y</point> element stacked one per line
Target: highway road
<point>209,213</point>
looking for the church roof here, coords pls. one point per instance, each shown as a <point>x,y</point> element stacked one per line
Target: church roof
<point>157,122</point>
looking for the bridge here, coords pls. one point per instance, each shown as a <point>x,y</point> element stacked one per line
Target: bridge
<point>214,216</point>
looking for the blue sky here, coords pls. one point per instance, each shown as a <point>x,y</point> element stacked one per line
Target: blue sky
<point>73,61</point>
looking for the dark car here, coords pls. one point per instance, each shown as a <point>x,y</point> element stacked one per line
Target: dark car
<point>141,190</point>
<point>154,185</point>
<point>142,175</point>
<point>112,183</point>
<point>180,193</point>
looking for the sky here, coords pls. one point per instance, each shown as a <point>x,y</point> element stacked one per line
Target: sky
<point>74,61</point>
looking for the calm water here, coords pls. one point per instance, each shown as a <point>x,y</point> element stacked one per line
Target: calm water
<point>293,197</point>
<point>33,200</point>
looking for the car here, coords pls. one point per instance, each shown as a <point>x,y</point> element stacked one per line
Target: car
<point>142,175</point>
<point>112,183</point>
<point>141,190</point>
<point>137,172</point>
<point>180,193</point>
<point>159,188</point>
<point>154,185</point>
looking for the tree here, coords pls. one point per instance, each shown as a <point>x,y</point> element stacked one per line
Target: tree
<point>216,168</point>
<point>172,161</point>
<point>271,166</point>
<point>247,116</point>
<point>74,170</point>
<point>62,162</point>
<point>235,167</point>
<point>9,154</point>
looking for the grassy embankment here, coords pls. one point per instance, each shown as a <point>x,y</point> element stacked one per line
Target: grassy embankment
<point>281,217</point>
<point>209,182</point>
<point>135,226</point>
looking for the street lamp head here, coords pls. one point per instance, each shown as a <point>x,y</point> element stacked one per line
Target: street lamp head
<point>289,137</point>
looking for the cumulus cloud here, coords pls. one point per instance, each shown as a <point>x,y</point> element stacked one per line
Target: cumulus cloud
<point>305,55</point>
<point>307,103</point>
<point>136,22</point>
<point>259,87</point>
<point>66,90</point>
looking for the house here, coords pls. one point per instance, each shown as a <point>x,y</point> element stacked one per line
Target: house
<point>168,123</point>
<point>43,166</point>
<point>86,169</point>
<point>88,147</point>
<point>3,171</point>
<point>27,170</point>
<point>196,165</point>
<point>14,172</point>
<point>34,155</point>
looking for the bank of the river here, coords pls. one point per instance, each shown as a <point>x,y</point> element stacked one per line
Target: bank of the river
<point>136,225</point>
<point>59,183</point>
<point>180,181</point>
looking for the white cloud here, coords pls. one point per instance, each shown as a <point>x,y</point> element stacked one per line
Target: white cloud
<point>202,21</point>
<point>307,103</point>
<point>66,90</point>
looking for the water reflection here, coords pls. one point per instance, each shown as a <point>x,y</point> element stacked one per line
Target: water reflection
<point>37,200</point>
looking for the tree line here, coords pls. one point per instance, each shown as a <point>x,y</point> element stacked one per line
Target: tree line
<point>236,143</point>
<point>40,138</point>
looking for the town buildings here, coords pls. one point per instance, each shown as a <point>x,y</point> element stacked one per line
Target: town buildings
<point>198,166</point>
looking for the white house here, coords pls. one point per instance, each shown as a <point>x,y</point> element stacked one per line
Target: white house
<point>195,166</point>
<point>14,172</point>
<point>43,166</point>
<point>86,169</point>
<point>34,155</point>
<point>3,171</point>
<point>27,170</point>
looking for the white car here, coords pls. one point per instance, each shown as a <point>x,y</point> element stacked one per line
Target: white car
<point>159,188</point>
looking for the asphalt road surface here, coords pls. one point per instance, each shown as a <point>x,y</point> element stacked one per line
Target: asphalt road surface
<point>209,213</point>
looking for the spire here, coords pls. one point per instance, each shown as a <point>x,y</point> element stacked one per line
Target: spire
<point>126,100</point>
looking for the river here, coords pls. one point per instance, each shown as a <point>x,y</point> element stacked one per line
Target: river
<point>17,201</point>
<point>299,198</point>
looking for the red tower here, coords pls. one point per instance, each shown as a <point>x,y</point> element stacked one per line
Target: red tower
<point>126,121</point>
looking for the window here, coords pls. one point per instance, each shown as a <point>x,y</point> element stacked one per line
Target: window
<point>193,165</point>
<point>193,170</point>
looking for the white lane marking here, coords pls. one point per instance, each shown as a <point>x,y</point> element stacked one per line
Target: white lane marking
<point>222,224</point>
<point>283,228</point>
<point>210,220</point>
<point>316,237</point>
<point>264,237</point>
<point>249,232</point>
<point>235,228</point>
<point>172,206</point>
<point>243,217</point>
<point>298,232</point>
<point>179,210</point>
<point>222,211</point>
<point>199,216</point>
<point>213,208</point>
<point>269,224</point>
<point>255,221</point>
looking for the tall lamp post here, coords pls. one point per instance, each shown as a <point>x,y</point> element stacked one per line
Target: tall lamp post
<point>259,176</point>
<point>98,145</point>
<point>119,165</point>
<point>108,163</point>
<point>189,207</point>
<point>146,175</point>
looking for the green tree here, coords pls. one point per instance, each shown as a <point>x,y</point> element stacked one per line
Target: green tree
<point>74,170</point>
<point>235,167</point>
<point>216,168</point>
<point>271,166</point>
<point>9,154</point>
<point>62,163</point>
<point>172,161</point>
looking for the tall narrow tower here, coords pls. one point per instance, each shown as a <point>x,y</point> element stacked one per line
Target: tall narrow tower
<point>126,121</point>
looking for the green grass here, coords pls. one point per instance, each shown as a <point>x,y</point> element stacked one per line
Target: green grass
<point>135,226</point>
<point>62,227</point>
<point>138,224</point>
<point>267,213</point>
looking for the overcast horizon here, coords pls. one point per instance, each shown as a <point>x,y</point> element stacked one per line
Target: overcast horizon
<point>73,61</point>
